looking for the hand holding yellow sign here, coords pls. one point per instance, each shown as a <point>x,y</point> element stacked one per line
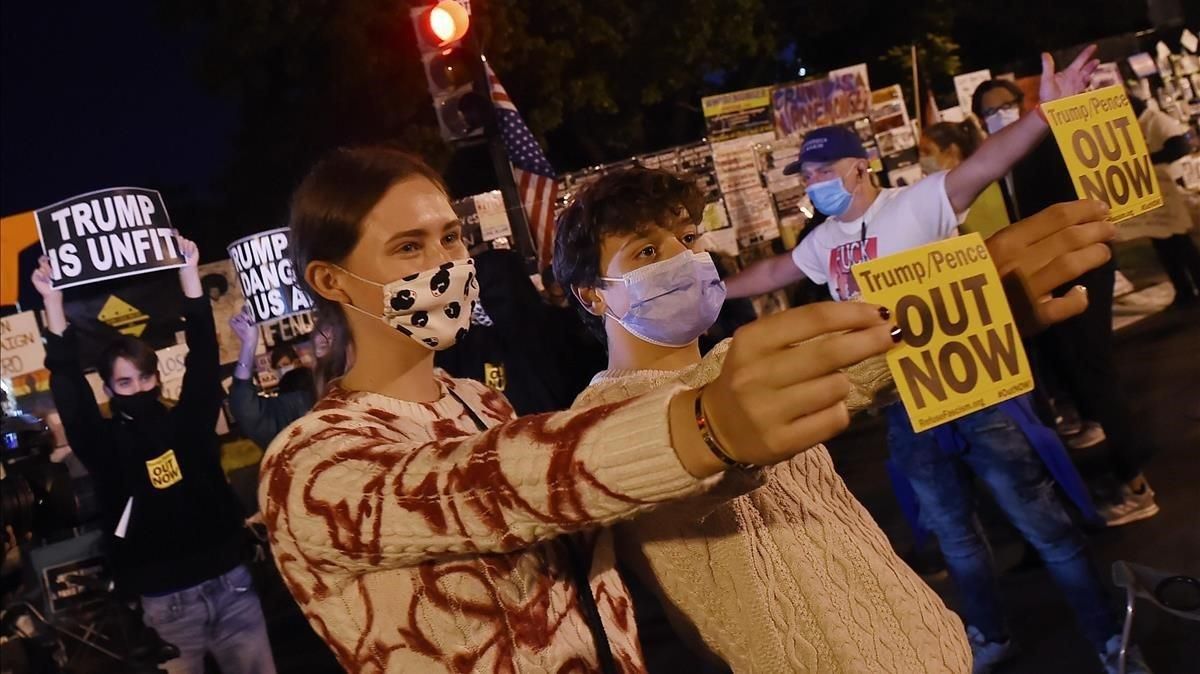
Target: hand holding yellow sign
<point>1106,155</point>
<point>961,351</point>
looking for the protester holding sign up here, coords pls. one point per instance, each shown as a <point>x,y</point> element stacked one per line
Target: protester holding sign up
<point>752,569</point>
<point>262,418</point>
<point>866,223</point>
<point>178,534</point>
<point>1075,358</point>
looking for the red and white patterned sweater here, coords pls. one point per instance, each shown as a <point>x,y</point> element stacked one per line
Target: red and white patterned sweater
<point>414,543</point>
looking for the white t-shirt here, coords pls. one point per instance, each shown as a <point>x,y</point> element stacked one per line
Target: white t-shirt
<point>901,218</point>
<point>1157,127</point>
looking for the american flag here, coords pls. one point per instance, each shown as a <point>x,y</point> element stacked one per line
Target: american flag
<point>531,170</point>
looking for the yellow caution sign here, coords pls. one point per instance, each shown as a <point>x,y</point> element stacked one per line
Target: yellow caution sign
<point>1102,144</point>
<point>961,350</point>
<point>126,318</point>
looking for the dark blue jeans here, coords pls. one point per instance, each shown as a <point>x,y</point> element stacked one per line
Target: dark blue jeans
<point>998,453</point>
<point>221,616</point>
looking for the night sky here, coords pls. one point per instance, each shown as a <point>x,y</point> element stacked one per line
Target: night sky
<point>100,95</point>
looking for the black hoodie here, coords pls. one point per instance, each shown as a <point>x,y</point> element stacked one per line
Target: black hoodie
<point>185,524</point>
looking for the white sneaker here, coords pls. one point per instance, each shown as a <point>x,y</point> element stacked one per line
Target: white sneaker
<point>1111,659</point>
<point>988,654</point>
<point>1091,435</point>
<point>1133,507</point>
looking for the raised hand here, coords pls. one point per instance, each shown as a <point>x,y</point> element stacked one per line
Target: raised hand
<point>778,394</point>
<point>56,314</point>
<point>188,250</point>
<point>1046,250</point>
<point>189,274</point>
<point>43,280</point>
<point>1074,79</point>
<point>244,328</point>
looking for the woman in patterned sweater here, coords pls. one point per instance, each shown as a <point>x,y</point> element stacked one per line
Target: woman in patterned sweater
<point>422,527</point>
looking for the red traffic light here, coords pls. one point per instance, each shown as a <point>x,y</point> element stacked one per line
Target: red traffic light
<point>445,22</point>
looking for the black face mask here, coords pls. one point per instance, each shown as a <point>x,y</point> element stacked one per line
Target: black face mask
<point>139,406</point>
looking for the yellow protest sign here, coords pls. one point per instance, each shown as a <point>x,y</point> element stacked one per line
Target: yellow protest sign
<point>961,350</point>
<point>1102,144</point>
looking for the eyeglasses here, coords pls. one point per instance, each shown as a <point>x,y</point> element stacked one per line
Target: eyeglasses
<point>1013,104</point>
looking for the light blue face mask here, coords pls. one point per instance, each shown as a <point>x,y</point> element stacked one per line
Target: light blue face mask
<point>672,303</point>
<point>831,196</point>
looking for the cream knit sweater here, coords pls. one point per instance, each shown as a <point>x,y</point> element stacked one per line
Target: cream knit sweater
<point>794,576</point>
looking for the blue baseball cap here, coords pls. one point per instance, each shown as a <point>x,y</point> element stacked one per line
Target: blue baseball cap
<point>827,144</point>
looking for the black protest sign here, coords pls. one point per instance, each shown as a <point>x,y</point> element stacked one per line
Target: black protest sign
<point>107,234</point>
<point>268,279</point>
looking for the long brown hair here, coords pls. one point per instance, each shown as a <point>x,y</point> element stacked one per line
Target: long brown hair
<point>327,212</point>
<point>965,134</point>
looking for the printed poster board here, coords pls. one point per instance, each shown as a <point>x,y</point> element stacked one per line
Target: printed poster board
<point>739,113</point>
<point>107,234</point>
<point>21,350</point>
<point>1102,144</point>
<point>966,84</point>
<point>843,96</point>
<point>747,200</point>
<point>961,350</point>
<point>269,283</point>
<point>223,289</point>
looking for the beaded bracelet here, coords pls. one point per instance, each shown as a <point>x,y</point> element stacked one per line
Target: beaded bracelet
<point>713,445</point>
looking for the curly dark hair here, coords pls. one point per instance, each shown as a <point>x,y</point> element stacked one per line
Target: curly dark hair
<point>618,203</point>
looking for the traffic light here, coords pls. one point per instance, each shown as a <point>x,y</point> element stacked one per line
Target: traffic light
<point>451,66</point>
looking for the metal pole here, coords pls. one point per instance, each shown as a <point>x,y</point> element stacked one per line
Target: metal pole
<point>499,154</point>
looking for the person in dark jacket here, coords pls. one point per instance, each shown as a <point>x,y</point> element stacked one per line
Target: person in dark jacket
<point>539,356</point>
<point>178,530</point>
<point>261,418</point>
<point>1078,353</point>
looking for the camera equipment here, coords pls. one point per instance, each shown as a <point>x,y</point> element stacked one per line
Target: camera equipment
<point>63,616</point>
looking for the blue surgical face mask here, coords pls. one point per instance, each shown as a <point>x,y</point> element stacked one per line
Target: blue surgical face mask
<point>672,303</point>
<point>831,196</point>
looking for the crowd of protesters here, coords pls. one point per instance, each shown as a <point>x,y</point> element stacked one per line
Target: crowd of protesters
<point>625,472</point>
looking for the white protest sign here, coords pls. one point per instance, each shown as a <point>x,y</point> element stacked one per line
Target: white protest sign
<point>107,234</point>
<point>269,282</point>
<point>21,350</point>
<point>171,367</point>
<point>493,218</point>
<point>966,84</point>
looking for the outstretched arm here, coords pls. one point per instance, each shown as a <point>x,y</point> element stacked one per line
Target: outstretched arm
<point>1004,149</point>
<point>201,394</point>
<point>764,276</point>
<point>73,396</point>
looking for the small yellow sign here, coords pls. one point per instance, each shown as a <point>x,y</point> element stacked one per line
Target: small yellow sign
<point>495,377</point>
<point>961,350</point>
<point>164,471</point>
<point>126,318</point>
<point>1106,155</point>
